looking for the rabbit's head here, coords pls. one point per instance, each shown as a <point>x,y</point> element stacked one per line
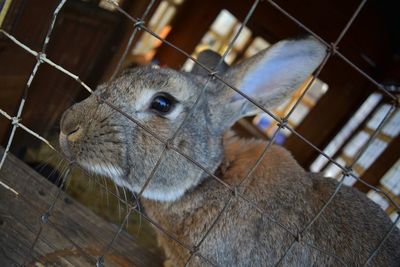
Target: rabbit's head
<point>104,141</point>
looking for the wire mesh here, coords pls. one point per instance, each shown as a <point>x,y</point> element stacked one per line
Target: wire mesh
<point>236,191</point>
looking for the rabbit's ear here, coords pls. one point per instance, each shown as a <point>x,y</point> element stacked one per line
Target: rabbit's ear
<point>210,59</point>
<point>272,75</point>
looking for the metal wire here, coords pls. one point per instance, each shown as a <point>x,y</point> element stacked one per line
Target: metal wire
<point>168,144</point>
<point>373,254</point>
<point>28,85</point>
<point>17,118</point>
<point>198,99</point>
<point>132,37</point>
<point>346,173</point>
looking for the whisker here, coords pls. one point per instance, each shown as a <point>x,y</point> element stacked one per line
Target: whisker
<point>106,165</point>
<point>54,170</point>
<point>63,168</point>
<point>118,200</point>
<point>106,191</point>
<point>44,163</point>
<point>65,176</point>
<point>139,212</point>
<point>126,203</point>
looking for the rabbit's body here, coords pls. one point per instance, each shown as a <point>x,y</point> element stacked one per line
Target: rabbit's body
<point>287,195</point>
<point>183,199</point>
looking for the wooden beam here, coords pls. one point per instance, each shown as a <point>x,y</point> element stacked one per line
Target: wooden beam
<point>70,224</point>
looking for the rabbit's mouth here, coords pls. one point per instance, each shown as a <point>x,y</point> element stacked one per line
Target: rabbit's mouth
<point>98,165</point>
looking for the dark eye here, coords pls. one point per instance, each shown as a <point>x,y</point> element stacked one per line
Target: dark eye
<point>162,103</point>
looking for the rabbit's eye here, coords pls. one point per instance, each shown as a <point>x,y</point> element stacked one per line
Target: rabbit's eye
<point>162,103</point>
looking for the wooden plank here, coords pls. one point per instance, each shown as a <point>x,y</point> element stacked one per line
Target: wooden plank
<point>74,235</point>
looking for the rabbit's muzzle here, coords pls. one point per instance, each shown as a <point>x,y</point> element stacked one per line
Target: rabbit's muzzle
<point>70,131</point>
<point>91,136</point>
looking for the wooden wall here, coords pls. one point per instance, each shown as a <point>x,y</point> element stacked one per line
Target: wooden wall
<point>86,40</point>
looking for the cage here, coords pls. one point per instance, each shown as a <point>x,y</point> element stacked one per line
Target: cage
<point>343,121</point>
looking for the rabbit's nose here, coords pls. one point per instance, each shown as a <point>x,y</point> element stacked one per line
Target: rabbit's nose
<point>70,127</point>
<point>75,134</point>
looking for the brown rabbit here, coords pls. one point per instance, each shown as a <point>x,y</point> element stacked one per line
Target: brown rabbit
<point>185,200</point>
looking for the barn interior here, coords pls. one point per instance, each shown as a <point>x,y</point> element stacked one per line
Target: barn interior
<point>338,114</point>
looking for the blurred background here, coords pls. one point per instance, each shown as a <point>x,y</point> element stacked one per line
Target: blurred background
<point>338,113</point>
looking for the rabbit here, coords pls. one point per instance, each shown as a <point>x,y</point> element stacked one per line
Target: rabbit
<point>185,200</point>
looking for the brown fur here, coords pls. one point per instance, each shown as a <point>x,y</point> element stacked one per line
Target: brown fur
<point>288,195</point>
